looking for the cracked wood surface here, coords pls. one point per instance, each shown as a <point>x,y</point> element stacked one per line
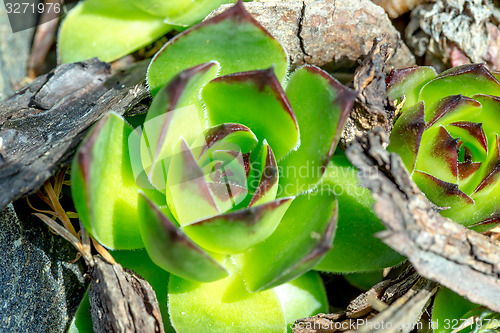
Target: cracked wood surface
<point>121,301</point>
<point>41,124</point>
<point>332,34</point>
<point>439,249</point>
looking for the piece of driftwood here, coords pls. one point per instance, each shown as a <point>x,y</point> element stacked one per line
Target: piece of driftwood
<point>439,249</point>
<point>403,315</point>
<point>372,108</point>
<point>389,306</point>
<point>41,125</point>
<point>121,301</point>
<point>332,34</point>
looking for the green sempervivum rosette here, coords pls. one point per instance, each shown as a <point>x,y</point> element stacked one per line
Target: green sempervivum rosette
<point>111,29</point>
<point>209,185</point>
<point>448,138</point>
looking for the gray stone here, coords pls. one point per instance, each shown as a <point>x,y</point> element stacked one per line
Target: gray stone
<point>39,289</point>
<point>332,34</point>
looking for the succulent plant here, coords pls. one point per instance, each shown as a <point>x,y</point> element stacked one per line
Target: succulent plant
<point>111,29</point>
<point>209,185</point>
<point>448,138</point>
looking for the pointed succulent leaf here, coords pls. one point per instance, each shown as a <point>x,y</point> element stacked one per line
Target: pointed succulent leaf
<point>225,136</point>
<point>492,171</point>
<point>177,12</point>
<point>321,105</point>
<point>408,82</point>
<point>469,79</point>
<point>490,113</point>
<point>107,29</point>
<point>236,231</point>
<point>234,39</point>
<point>303,297</point>
<point>442,193</point>
<point>176,111</point>
<point>103,185</point>
<point>223,306</point>
<point>473,134</point>
<point>188,194</point>
<point>355,246</point>
<point>171,249</point>
<point>197,12</point>
<point>301,240</point>
<point>449,109</point>
<point>447,307</point>
<point>442,151</point>
<point>456,162</point>
<point>82,321</point>
<point>406,135</point>
<point>233,99</point>
<point>226,176</point>
<point>267,176</point>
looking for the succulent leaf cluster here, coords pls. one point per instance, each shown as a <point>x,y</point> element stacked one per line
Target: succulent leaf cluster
<point>111,29</point>
<point>209,185</point>
<point>448,137</point>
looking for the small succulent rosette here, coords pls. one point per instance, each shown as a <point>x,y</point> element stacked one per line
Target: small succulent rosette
<point>222,183</point>
<point>448,137</point>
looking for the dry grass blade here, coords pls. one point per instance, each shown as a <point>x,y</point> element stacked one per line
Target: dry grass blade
<point>61,214</point>
<point>103,252</point>
<point>60,230</point>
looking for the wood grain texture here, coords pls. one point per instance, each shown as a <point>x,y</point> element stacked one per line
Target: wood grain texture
<point>121,301</point>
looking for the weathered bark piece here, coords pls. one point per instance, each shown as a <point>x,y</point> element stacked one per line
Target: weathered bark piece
<point>121,301</point>
<point>332,34</point>
<point>407,296</point>
<point>42,124</point>
<point>372,108</point>
<point>403,314</point>
<point>439,249</point>
<point>456,32</point>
